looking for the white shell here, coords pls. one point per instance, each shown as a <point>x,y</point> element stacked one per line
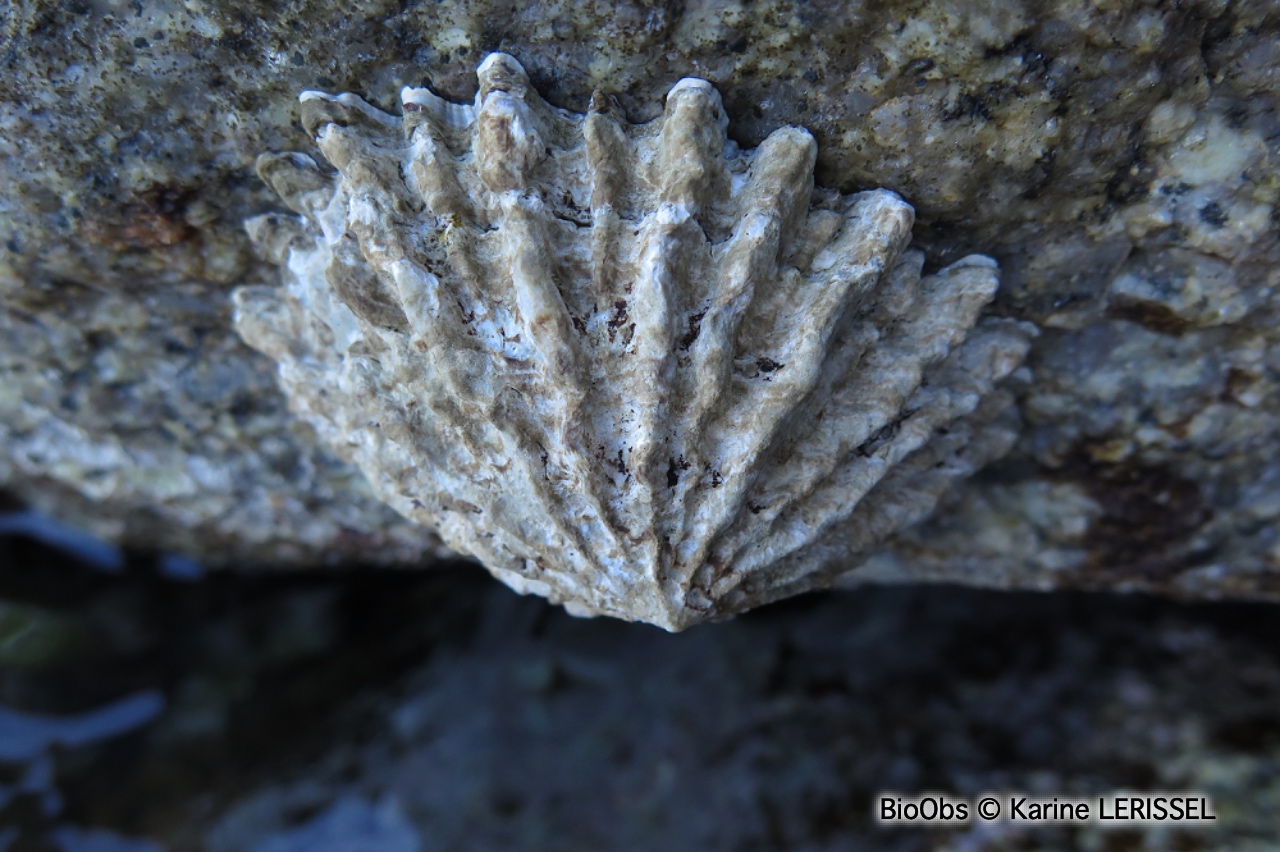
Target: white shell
<point>630,368</point>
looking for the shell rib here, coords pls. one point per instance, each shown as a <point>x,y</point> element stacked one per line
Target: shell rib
<point>630,368</point>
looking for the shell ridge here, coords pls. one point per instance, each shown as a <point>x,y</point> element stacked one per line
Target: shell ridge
<point>951,393</point>
<point>432,174</point>
<point>649,364</point>
<point>910,493</point>
<point>297,178</point>
<point>559,509</point>
<point>714,348</point>
<point>545,320</point>
<point>719,508</point>
<point>864,399</point>
<point>544,317</point>
<point>903,497</point>
<point>359,287</point>
<point>431,106</point>
<point>611,158</point>
<point>862,404</point>
<point>346,108</point>
<point>690,156</point>
<point>849,484</point>
<point>711,344</point>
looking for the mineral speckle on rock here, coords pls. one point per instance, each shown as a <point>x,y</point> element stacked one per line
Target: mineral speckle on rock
<point>1116,159</point>
<point>631,368</point>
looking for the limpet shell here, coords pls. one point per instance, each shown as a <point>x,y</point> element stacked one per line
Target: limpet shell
<point>631,368</point>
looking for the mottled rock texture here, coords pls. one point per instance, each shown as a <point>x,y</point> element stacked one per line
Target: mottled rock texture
<point>1118,160</point>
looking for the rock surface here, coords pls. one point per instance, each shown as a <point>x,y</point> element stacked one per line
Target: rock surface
<point>1118,160</point>
<point>394,710</point>
<point>776,731</point>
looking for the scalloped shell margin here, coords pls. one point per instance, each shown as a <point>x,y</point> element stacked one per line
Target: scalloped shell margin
<point>630,368</point>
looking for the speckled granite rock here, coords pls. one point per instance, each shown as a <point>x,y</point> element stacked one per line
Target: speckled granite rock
<point>1119,161</point>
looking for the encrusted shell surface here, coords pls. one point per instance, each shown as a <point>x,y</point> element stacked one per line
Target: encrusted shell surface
<point>631,368</point>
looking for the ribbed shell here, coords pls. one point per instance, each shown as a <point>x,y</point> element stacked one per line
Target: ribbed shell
<point>631,368</point>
